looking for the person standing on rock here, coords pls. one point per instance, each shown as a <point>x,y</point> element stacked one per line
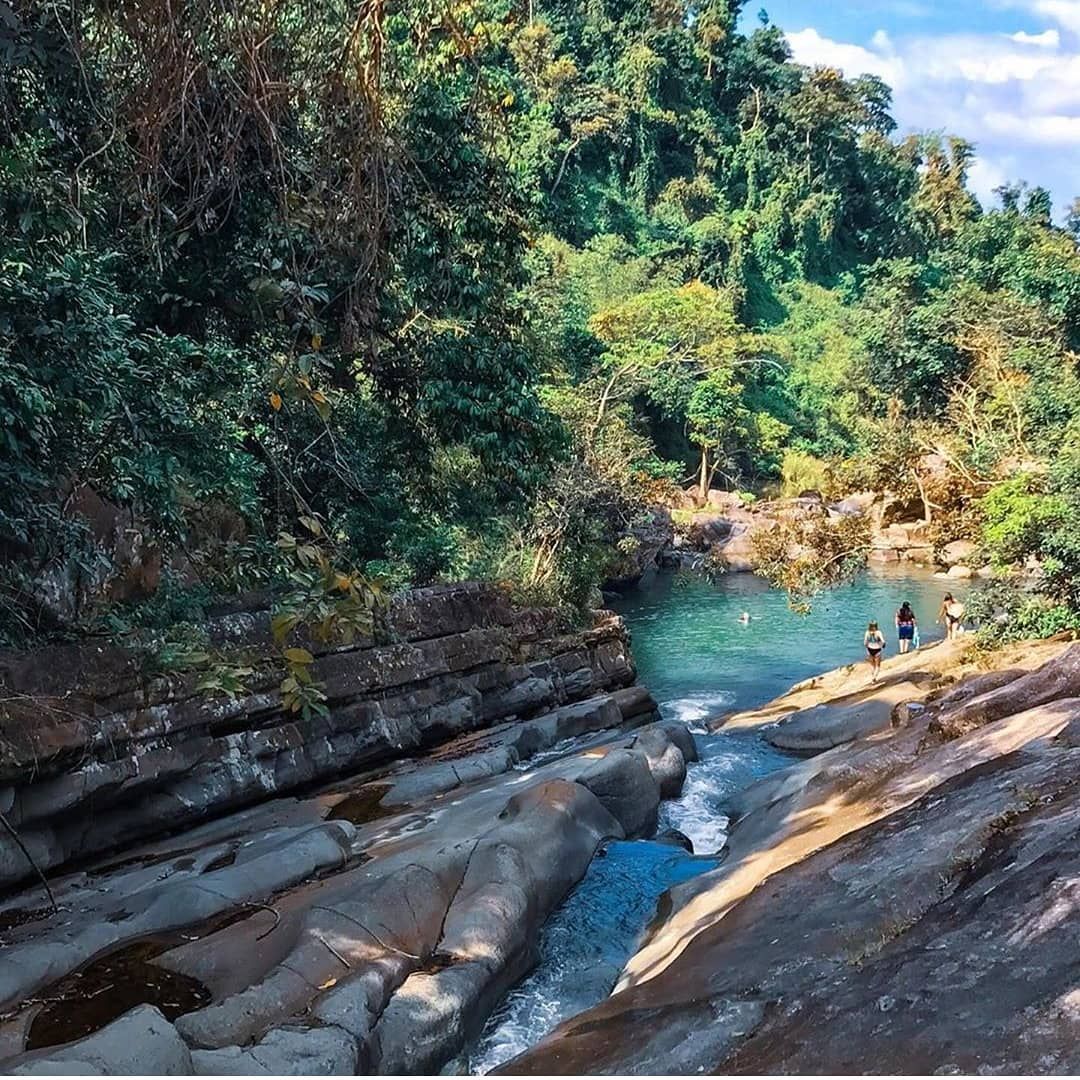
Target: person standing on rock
<point>906,626</point>
<point>874,640</point>
<point>952,614</point>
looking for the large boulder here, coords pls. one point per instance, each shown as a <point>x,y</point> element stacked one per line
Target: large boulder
<point>626,788</point>
<point>665,760</point>
<point>959,552</point>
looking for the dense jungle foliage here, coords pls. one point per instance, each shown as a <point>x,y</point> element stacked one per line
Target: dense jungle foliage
<point>468,286</point>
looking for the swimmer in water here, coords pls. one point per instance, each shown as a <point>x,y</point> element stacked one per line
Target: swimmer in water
<point>744,618</point>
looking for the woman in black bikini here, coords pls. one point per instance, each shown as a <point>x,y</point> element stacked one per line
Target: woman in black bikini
<point>874,640</point>
<point>952,613</point>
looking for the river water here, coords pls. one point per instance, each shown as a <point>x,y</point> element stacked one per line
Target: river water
<point>699,661</point>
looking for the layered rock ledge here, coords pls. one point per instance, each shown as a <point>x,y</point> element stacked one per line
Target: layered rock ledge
<point>905,902</point>
<point>94,754</point>
<point>353,895</point>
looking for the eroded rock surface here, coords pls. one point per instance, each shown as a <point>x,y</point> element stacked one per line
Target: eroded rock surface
<point>93,754</point>
<point>367,926</point>
<point>904,903</point>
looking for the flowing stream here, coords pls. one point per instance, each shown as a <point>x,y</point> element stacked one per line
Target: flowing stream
<point>698,660</point>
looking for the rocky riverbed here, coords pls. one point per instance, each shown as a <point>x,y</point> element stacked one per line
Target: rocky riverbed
<point>906,901</point>
<point>234,890</point>
<point>360,898</point>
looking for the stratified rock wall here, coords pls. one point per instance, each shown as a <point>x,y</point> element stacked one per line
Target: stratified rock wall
<point>94,754</point>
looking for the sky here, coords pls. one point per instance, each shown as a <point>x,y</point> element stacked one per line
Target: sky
<point>1004,74</point>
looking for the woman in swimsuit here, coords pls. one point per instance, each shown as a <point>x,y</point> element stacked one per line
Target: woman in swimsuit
<point>952,614</point>
<point>905,626</point>
<point>874,640</point>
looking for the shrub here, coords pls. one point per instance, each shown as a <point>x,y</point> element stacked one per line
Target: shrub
<point>802,472</point>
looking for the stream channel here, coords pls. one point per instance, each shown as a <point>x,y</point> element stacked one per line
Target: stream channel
<point>699,661</point>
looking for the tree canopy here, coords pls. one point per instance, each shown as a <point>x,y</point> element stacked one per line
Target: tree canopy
<point>474,284</point>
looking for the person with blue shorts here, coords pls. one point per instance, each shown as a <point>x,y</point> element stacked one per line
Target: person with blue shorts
<point>906,626</point>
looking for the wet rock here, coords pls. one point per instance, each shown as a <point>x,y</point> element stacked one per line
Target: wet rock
<point>140,1043</point>
<point>664,758</point>
<point>682,737</point>
<point>676,839</point>
<point>626,788</point>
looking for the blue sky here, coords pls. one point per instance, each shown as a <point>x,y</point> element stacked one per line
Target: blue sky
<point>1004,74</point>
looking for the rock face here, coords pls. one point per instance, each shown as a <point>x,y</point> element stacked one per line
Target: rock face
<point>121,563</point>
<point>905,903</point>
<point>641,550</point>
<point>365,925</point>
<point>93,754</point>
<point>726,528</point>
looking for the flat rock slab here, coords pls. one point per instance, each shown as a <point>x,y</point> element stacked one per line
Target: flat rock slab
<point>822,727</point>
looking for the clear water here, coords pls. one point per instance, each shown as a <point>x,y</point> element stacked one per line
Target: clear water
<point>585,945</point>
<point>699,661</point>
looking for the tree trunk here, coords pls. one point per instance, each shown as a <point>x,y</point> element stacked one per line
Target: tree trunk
<point>703,479</point>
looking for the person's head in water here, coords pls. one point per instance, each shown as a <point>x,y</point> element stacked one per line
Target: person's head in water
<point>744,617</point>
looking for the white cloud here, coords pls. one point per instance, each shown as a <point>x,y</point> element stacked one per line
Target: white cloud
<point>1065,13</point>
<point>986,176</point>
<point>1016,96</point>
<point>1064,130</point>
<point>809,47</point>
<point>1048,39</point>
